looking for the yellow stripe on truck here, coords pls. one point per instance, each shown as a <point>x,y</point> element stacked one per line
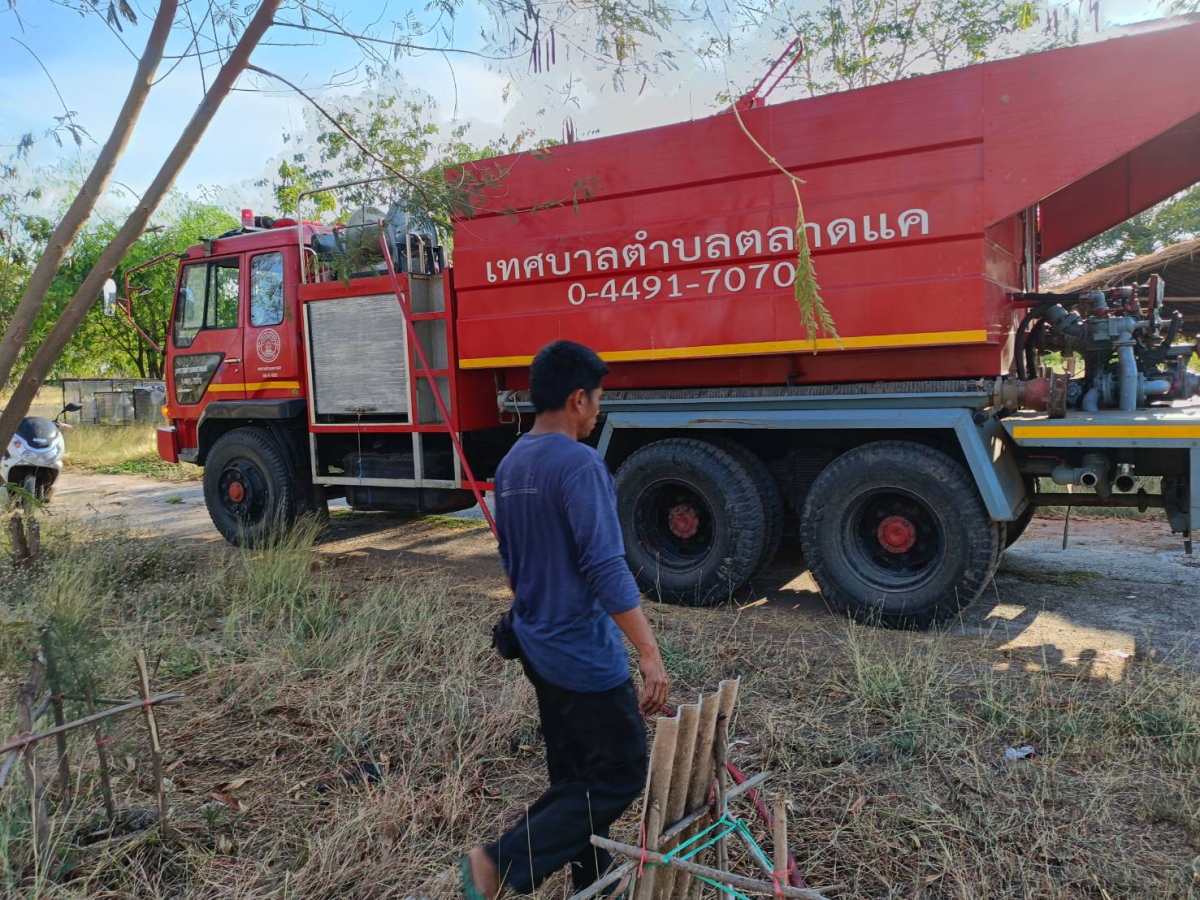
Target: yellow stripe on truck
<point>229,386</point>
<point>862,342</point>
<point>1106,431</point>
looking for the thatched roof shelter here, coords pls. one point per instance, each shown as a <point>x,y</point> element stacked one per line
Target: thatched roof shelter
<point>1178,265</point>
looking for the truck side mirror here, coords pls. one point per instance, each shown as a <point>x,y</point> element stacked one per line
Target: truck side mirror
<point>109,295</point>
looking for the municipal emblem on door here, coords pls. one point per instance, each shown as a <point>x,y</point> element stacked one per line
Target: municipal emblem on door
<point>267,345</point>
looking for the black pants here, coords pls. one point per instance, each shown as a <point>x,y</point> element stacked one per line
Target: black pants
<point>596,755</point>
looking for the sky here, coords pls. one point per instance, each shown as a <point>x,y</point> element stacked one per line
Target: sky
<point>92,70</point>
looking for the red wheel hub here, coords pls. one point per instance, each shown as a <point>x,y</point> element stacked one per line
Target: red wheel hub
<point>684,521</point>
<point>237,493</point>
<point>897,534</point>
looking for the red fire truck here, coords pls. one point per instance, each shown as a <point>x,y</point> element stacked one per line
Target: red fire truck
<point>307,362</point>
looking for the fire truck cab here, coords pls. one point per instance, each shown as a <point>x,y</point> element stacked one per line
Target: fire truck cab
<point>291,386</point>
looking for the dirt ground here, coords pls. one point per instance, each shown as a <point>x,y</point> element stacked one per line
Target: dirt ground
<point>1122,588</point>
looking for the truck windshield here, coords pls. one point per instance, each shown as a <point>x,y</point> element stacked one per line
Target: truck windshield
<point>189,315</point>
<point>208,298</point>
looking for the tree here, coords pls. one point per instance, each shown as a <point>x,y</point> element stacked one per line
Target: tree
<point>111,342</point>
<point>72,315</point>
<point>17,328</point>
<point>851,44</point>
<point>1174,220</point>
<point>615,25</point>
<point>388,134</point>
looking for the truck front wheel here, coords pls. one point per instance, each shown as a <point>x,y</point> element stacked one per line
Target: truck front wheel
<point>692,519</point>
<point>249,488</point>
<point>895,533</point>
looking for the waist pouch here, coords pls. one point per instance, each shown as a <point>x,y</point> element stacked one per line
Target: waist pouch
<point>504,637</point>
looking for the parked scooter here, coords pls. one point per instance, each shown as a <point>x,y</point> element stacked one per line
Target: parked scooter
<point>34,457</point>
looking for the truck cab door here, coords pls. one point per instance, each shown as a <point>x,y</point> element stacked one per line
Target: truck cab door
<point>207,337</point>
<point>269,345</point>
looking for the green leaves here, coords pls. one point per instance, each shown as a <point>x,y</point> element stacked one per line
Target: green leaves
<point>1175,220</point>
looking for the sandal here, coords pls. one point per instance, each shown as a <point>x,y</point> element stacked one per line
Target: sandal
<point>469,891</point>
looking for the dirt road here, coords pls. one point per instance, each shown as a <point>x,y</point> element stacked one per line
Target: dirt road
<point>1123,587</point>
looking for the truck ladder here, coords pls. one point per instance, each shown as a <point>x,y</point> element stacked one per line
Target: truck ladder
<point>425,370</point>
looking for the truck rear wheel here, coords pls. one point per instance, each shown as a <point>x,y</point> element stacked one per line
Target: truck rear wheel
<point>768,492</point>
<point>692,519</point>
<point>249,488</point>
<point>895,533</point>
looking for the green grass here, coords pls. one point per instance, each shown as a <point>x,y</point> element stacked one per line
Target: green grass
<point>451,523</point>
<point>122,450</point>
<point>455,523</point>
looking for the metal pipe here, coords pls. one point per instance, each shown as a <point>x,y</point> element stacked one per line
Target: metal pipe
<point>1092,474</point>
<point>321,190</point>
<point>1125,482</point>
<point>1127,364</point>
<point>1091,400</point>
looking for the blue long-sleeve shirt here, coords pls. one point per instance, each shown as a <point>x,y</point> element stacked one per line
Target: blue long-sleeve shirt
<point>560,544</point>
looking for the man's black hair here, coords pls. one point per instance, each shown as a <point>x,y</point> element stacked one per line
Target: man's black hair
<point>559,370</point>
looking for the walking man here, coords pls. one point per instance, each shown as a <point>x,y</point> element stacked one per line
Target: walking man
<point>573,597</point>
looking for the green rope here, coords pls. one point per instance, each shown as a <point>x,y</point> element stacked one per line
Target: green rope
<point>729,826</point>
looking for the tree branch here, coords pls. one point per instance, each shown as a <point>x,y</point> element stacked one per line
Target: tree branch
<point>414,184</point>
<point>402,44</point>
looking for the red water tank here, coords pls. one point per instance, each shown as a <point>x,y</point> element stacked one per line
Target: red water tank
<point>672,251</point>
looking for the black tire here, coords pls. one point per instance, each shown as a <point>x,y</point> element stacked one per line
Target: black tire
<point>249,488</point>
<point>680,485</point>
<point>1014,529</point>
<point>896,534</point>
<point>768,492</point>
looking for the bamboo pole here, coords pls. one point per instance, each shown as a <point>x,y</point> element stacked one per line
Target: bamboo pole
<point>662,759</point>
<point>56,702</point>
<point>25,740</point>
<point>34,533</point>
<point>26,698</point>
<point>727,694</point>
<point>781,844</point>
<point>700,776</point>
<point>685,753</point>
<point>726,878</point>
<point>721,756</point>
<point>678,828</point>
<point>155,747</point>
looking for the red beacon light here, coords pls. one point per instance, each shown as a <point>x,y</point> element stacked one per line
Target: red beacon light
<point>247,218</point>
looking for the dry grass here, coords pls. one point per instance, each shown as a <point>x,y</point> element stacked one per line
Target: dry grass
<point>890,746</point>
